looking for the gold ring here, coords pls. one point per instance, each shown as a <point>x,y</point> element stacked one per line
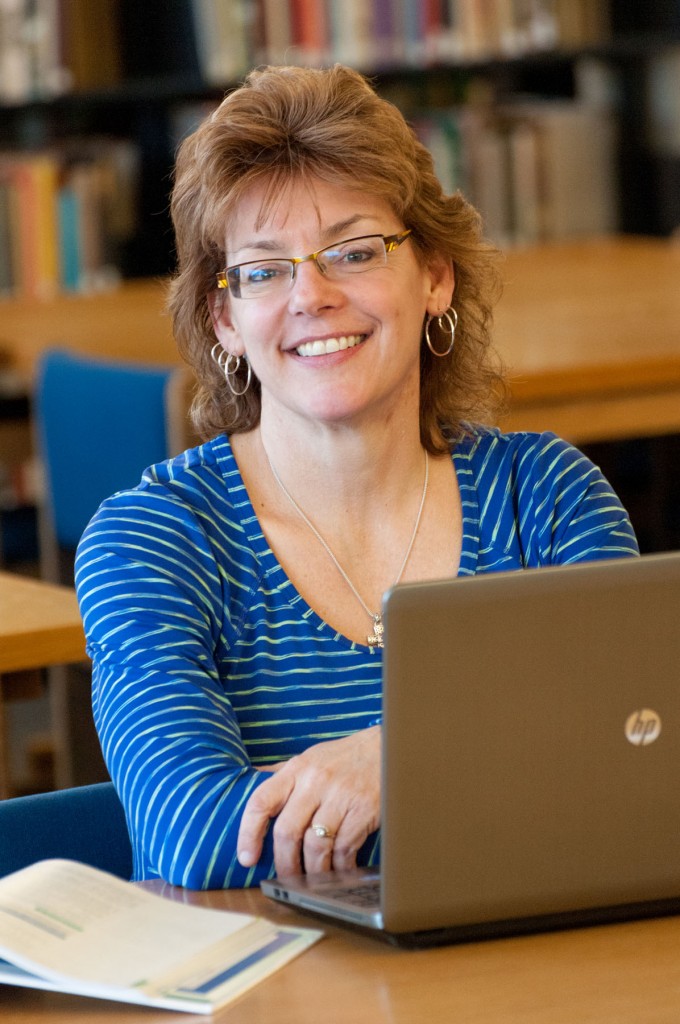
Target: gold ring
<point>322,832</point>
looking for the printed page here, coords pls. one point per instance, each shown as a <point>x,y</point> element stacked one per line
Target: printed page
<point>87,931</point>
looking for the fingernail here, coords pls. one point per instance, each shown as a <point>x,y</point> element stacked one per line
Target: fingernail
<point>246,858</point>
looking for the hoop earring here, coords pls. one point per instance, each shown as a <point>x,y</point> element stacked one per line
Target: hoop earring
<point>224,361</point>
<point>447,323</point>
<point>217,354</point>
<point>230,373</point>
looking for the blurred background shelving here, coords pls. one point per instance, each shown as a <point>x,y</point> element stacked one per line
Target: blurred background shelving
<point>121,82</point>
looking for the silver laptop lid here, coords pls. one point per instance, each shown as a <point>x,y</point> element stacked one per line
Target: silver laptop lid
<point>531,743</point>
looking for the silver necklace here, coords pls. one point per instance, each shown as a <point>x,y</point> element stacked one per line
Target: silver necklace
<point>375,639</point>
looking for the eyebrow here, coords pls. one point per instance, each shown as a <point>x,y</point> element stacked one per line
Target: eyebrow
<point>327,235</point>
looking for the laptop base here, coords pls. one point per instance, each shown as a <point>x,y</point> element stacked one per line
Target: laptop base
<point>479,931</point>
<point>531,925</point>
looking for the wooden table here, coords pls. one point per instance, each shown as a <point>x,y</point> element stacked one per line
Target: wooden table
<point>590,332</point>
<point>627,973</point>
<point>40,625</point>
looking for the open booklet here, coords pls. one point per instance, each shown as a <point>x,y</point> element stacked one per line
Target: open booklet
<point>72,928</point>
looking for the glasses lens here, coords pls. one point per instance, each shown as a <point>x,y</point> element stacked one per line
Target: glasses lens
<point>249,280</point>
<point>354,256</point>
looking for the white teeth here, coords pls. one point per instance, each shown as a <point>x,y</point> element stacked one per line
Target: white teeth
<point>322,348</point>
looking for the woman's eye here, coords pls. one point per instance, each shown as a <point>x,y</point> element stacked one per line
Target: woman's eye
<point>358,255</point>
<point>265,272</point>
<point>354,254</point>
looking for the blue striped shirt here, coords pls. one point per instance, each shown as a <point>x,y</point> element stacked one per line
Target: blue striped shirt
<point>207,662</point>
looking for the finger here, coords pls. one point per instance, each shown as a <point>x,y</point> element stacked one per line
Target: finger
<point>350,835</point>
<point>290,829</point>
<point>270,769</point>
<point>318,848</point>
<point>263,805</point>
<point>347,844</point>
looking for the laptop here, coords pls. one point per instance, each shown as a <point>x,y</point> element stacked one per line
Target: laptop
<point>531,757</point>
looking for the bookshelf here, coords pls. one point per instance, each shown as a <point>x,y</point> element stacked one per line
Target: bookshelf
<point>111,103</point>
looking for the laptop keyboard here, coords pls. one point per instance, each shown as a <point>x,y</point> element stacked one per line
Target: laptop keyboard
<point>367,894</point>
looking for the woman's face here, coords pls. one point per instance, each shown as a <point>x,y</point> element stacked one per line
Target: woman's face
<point>330,350</point>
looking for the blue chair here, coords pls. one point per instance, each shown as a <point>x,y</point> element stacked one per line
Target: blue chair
<point>99,424</point>
<point>86,824</point>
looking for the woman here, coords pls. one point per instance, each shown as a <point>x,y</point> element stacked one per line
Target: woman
<point>336,307</point>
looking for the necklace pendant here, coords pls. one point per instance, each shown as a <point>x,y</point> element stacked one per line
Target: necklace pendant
<point>376,637</point>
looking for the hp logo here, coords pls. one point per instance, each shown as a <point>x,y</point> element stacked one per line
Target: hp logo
<point>643,727</point>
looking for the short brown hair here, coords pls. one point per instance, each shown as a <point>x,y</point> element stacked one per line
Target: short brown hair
<point>286,123</point>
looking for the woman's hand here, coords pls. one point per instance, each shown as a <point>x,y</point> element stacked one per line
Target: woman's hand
<point>335,784</point>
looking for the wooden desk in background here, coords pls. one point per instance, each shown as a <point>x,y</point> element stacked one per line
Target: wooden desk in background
<point>590,331</point>
<point>40,626</point>
<point>626,973</point>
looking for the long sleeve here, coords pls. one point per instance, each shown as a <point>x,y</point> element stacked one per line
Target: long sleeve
<point>152,602</point>
<point>533,499</point>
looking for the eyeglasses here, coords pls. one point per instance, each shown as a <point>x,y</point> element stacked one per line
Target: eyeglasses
<point>272,277</point>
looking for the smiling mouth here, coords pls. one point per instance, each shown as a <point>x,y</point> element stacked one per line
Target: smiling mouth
<point>328,345</point>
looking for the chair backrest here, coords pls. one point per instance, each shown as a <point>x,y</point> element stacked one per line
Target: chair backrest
<point>98,424</point>
<point>86,824</point>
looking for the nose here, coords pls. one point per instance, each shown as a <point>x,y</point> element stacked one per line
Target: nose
<point>311,291</point>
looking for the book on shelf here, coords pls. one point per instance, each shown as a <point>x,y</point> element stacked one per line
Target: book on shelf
<point>488,184</point>
<point>91,43</point>
<point>574,174</point>
<point>582,24</point>
<point>537,170</point>
<point>29,237</point>
<point>273,29</point>
<point>65,213</point>
<point>440,132</point>
<point>9,232</point>
<point>49,47</point>
<point>662,102</point>
<point>386,35</point>
<point>68,927</point>
<point>19,483</point>
<point>525,171</point>
<point>222,38</point>
<point>311,37</point>
<point>6,231</point>
<point>351,39</point>
<point>35,181</point>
